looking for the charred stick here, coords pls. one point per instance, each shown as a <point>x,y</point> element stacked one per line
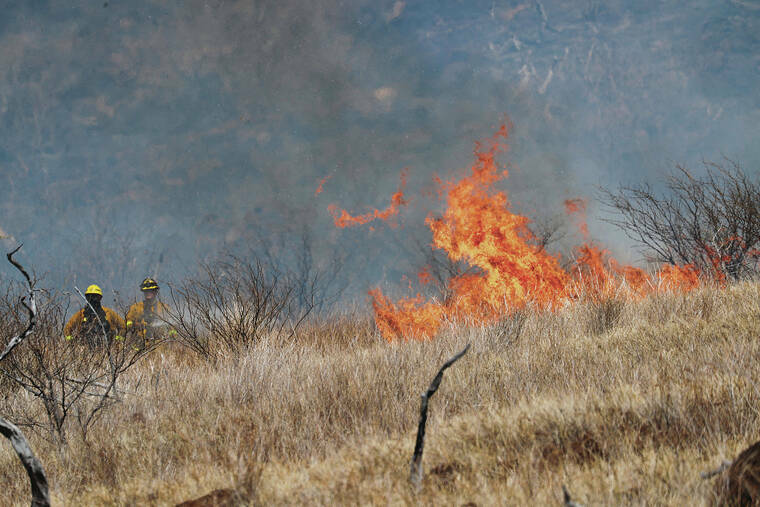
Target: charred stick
<point>415,472</point>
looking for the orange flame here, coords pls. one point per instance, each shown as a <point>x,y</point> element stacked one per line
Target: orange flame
<point>509,269</point>
<point>343,219</point>
<point>478,227</point>
<point>596,275</point>
<point>679,278</point>
<point>409,317</point>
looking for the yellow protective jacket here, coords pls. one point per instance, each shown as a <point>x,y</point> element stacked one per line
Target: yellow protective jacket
<point>76,321</point>
<point>138,316</point>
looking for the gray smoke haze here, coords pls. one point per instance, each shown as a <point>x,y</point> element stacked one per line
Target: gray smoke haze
<point>139,137</point>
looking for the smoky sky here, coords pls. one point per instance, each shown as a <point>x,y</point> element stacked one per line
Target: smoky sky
<point>139,137</point>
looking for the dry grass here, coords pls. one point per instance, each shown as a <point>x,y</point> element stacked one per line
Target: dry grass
<point>626,404</point>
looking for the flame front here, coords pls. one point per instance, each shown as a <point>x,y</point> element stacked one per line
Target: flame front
<point>509,269</point>
<point>477,227</point>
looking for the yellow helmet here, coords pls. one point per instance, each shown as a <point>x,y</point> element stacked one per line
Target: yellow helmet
<point>94,289</point>
<point>148,284</point>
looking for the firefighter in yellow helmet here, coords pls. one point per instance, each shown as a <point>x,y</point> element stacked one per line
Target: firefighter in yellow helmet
<point>147,317</point>
<point>93,319</point>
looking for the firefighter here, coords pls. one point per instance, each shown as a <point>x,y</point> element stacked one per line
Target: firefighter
<point>94,319</point>
<point>146,317</point>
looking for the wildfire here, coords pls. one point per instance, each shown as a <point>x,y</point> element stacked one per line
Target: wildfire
<point>478,227</point>
<point>597,274</point>
<point>343,219</point>
<point>509,268</point>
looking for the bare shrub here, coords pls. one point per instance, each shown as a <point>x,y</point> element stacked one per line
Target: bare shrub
<point>317,285</point>
<point>234,302</point>
<point>711,221</point>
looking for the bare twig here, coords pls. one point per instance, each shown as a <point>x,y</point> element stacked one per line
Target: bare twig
<point>70,383</point>
<point>235,302</point>
<point>415,471</point>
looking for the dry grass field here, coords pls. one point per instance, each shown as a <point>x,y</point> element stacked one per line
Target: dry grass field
<point>623,402</point>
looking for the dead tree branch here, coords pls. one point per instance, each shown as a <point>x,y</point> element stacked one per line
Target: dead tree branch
<point>415,471</point>
<point>31,307</point>
<point>37,478</point>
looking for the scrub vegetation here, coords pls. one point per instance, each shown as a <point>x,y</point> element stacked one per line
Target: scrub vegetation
<point>623,407</point>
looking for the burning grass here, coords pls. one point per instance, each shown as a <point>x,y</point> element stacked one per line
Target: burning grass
<point>624,408</point>
<point>510,267</point>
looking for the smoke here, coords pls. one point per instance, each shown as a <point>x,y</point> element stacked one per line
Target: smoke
<point>142,136</point>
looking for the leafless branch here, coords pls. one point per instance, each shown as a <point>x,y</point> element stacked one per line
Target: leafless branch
<point>31,307</point>
<point>415,472</point>
<point>72,380</point>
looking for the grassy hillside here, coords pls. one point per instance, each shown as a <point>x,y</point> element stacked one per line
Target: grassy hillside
<point>625,403</point>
